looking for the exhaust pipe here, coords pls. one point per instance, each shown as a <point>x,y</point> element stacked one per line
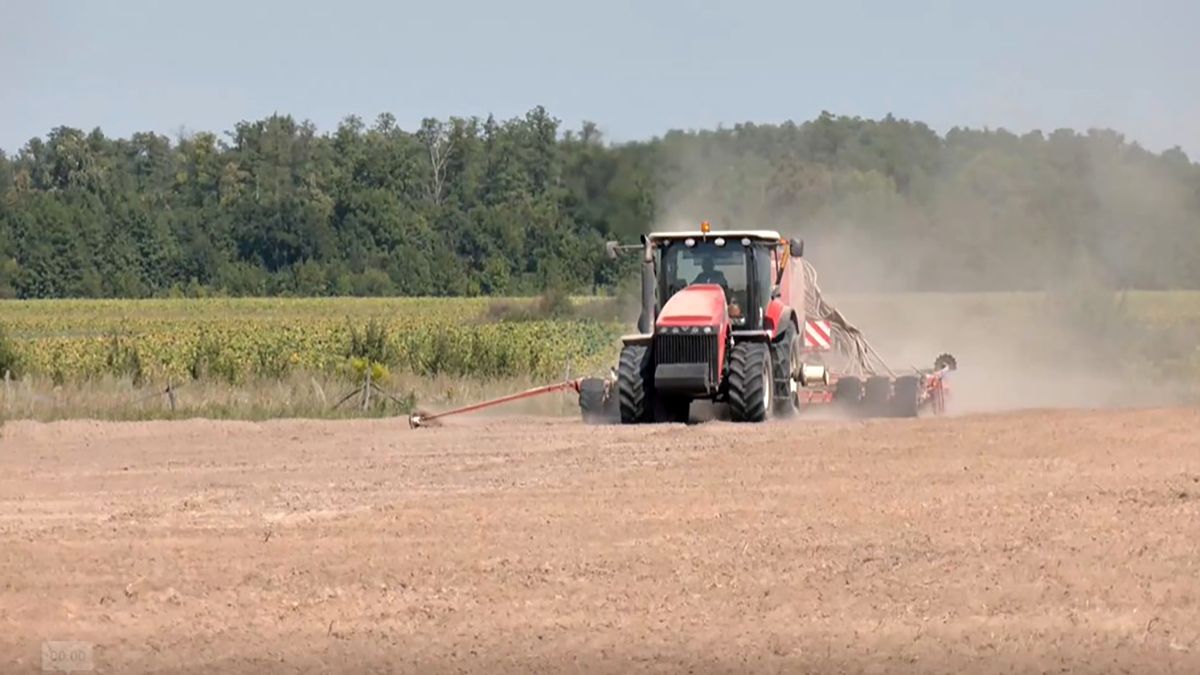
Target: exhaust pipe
<point>647,317</point>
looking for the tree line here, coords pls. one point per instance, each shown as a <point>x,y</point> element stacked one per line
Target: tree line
<point>512,207</point>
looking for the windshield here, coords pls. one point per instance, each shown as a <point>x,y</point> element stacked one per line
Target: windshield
<point>708,263</point>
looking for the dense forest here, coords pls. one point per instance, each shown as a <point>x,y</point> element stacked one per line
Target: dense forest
<point>487,206</point>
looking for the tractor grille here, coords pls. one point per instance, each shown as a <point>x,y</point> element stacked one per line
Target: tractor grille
<point>687,348</point>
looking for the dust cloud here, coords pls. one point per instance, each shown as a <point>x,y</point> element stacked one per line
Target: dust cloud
<point>1057,336</point>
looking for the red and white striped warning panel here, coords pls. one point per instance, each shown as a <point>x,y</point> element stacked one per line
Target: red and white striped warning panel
<point>817,335</point>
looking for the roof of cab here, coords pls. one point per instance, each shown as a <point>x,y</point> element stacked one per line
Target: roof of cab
<point>762,235</point>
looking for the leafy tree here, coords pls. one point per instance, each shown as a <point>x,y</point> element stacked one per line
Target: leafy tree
<point>486,206</point>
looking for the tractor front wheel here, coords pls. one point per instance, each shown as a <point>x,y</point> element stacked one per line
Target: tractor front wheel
<point>750,382</point>
<point>635,397</point>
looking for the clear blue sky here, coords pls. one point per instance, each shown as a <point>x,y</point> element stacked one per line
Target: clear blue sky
<point>637,68</point>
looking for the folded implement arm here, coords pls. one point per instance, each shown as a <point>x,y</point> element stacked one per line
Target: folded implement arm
<point>861,358</point>
<point>419,419</point>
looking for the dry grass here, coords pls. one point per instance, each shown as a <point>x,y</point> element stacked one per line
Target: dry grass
<point>299,395</point>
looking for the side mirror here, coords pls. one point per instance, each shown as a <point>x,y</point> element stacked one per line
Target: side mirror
<point>796,247</point>
<point>611,248</point>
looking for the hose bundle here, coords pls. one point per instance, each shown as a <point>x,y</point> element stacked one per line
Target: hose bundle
<point>861,358</point>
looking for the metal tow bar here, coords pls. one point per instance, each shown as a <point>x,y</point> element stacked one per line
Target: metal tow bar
<point>417,419</point>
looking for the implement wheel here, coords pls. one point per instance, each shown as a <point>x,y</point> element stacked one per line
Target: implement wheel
<point>847,394</point>
<point>633,390</point>
<point>877,395</point>
<point>592,394</point>
<point>751,382</point>
<point>906,399</point>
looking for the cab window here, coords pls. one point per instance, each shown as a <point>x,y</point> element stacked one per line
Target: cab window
<point>707,263</point>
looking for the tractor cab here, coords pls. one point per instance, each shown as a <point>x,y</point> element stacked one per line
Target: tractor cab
<point>742,264</point>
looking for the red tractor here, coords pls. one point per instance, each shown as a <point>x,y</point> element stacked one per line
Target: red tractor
<point>736,317</point>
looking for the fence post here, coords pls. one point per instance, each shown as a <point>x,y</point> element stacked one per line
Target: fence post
<point>319,391</point>
<point>171,395</point>
<point>565,405</point>
<point>366,403</point>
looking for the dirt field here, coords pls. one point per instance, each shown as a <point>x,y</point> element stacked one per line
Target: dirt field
<point>1028,542</point>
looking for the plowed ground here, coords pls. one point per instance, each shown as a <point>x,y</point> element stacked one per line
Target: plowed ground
<point>1031,542</point>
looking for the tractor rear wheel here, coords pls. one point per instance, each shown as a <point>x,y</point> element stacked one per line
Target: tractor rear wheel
<point>906,399</point>
<point>784,354</point>
<point>633,392</point>
<point>751,382</point>
<point>592,393</point>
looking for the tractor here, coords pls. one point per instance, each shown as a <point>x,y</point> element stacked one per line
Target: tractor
<point>736,317</point>
<point>717,323</point>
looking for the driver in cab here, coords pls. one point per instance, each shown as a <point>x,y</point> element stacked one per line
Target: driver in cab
<point>710,275</point>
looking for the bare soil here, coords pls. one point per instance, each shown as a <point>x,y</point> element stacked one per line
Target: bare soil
<point>1043,541</point>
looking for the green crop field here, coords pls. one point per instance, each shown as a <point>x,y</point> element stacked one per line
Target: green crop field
<point>236,339</point>
<point>254,337</point>
<point>244,343</point>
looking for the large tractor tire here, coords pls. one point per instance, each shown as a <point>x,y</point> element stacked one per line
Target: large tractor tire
<point>751,382</point>
<point>636,399</point>
<point>784,356</point>
<point>877,394</point>
<point>906,399</point>
<point>592,400</point>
